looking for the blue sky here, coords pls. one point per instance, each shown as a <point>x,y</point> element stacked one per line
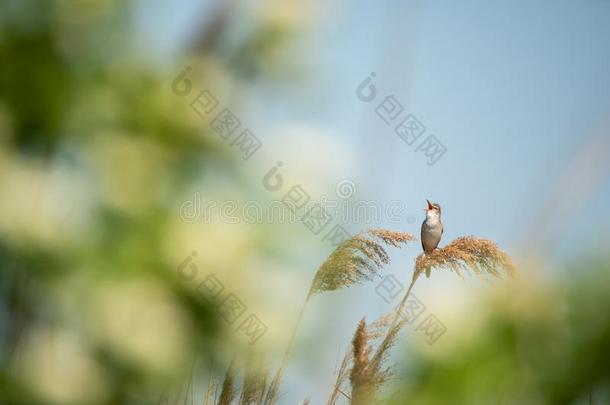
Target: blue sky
<point>512,89</point>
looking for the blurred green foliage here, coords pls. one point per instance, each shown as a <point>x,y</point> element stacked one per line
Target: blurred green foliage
<point>535,345</point>
<point>91,309</point>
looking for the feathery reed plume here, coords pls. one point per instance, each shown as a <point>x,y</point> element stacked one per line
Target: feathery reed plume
<point>380,374</point>
<point>392,238</point>
<point>362,391</point>
<point>249,390</point>
<point>355,260</point>
<point>255,382</point>
<point>464,253</point>
<point>306,402</point>
<point>467,253</point>
<point>261,398</point>
<point>367,374</point>
<point>209,394</point>
<point>227,395</point>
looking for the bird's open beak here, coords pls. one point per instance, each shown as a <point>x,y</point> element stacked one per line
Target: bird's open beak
<point>429,205</point>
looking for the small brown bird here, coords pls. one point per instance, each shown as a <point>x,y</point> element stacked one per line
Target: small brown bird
<point>431,228</point>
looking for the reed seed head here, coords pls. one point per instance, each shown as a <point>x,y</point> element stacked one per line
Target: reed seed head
<point>357,259</point>
<point>467,253</point>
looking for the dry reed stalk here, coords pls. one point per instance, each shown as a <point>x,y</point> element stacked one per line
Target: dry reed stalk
<point>467,253</point>
<point>227,395</point>
<point>355,260</point>
<point>342,375</point>
<point>261,398</point>
<point>382,353</point>
<point>209,394</point>
<point>361,386</point>
<point>272,392</point>
<point>367,373</point>
<point>396,325</point>
<point>255,382</point>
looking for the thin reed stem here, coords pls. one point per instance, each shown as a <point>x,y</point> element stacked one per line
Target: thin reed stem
<point>207,400</point>
<point>354,260</point>
<point>342,375</point>
<point>400,307</point>
<point>273,389</point>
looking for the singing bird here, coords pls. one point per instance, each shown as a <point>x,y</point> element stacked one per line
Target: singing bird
<point>431,228</point>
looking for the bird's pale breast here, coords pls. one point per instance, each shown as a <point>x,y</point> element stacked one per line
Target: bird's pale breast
<point>431,232</point>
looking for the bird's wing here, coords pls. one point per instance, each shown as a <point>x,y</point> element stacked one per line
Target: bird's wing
<point>422,236</point>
